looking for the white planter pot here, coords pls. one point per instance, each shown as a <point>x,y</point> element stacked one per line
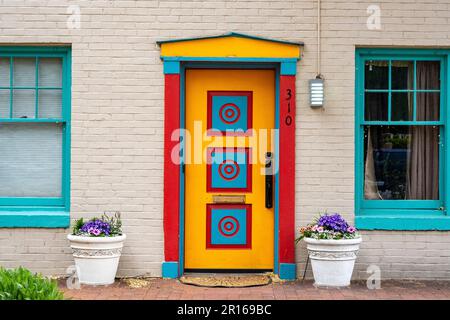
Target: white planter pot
<point>96,259</point>
<point>332,261</point>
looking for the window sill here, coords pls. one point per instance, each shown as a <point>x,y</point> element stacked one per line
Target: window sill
<point>34,219</point>
<point>402,220</point>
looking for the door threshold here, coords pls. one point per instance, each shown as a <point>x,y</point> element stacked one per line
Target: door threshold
<point>208,272</point>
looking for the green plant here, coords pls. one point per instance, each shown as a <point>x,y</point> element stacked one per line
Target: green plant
<point>21,284</point>
<point>104,227</point>
<point>328,227</point>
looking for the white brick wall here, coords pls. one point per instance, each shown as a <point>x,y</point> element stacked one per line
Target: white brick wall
<point>117,112</point>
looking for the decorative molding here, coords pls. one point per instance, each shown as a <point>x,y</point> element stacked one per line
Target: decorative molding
<point>333,254</point>
<point>77,252</point>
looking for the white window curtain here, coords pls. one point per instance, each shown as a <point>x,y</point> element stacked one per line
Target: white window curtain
<point>30,159</point>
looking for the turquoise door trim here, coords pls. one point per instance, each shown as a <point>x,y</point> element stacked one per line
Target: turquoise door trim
<point>401,214</point>
<point>42,212</point>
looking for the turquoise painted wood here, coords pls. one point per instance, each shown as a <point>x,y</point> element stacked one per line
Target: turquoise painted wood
<point>41,212</point>
<point>288,68</point>
<point>401,214</point>
<point>403,221</point>
<point>288,271</point>
<point>170,270</point>
<point>171,67</point>
<point>276,250</point>
<point>34,219</point>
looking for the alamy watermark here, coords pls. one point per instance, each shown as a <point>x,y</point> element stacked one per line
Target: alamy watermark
<point>374,20</point>
<point>73,279</point>
<point>193,146</point>
<point>74,18</point>
<point>374,280</point>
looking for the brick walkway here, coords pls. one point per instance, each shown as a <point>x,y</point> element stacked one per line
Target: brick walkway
<point>162,289</point>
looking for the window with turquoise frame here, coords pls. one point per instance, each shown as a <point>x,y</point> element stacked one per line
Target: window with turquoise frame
<point>401,128</point>
<point>35,100</point>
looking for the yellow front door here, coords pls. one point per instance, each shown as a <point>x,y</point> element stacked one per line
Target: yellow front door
<point>229,219</point>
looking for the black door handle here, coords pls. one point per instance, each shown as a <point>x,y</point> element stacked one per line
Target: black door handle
<point>269,179</point>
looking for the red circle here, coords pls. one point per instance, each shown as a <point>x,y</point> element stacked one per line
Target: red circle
<point>228,226</point>
<point>236,112</point>
<point>226,221</point>
<point>228,169</point>
<point>225,166</point>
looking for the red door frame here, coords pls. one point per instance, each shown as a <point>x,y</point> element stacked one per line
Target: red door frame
<point>286,229</point>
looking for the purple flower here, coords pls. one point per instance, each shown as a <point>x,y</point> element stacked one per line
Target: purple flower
<point>351,229</point>
<point>96,228</point>
<point>333,222</point>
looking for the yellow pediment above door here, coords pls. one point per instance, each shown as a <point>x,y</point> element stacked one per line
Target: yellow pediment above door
<point>231,45</point>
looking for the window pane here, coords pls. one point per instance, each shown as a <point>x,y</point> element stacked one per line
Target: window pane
<point>401,162</point>
<point>50,72</point>
<point>4,103</point>
<point>24,72</point>
<point>428,106</point>
<point>24,102</point>
<point>377,75</point>
<point>4,72</point>
<point>402,75</point>
<point>30,160</point>
<point>50,104</point>
<point>376,106</point>
<point>402,106</point>
<point>428,75</point>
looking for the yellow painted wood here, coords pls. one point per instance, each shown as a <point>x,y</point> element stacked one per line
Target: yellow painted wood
<point>229,46</point>
<point>260,256</point>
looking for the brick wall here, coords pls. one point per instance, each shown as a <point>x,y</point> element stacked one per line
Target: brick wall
<point>117,112</point>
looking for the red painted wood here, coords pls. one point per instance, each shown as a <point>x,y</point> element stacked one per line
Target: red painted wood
<point>210,129</point>
<point>171,169</point>
<point>247,207</point>
<point>287,170</point>
<point>209,152</point>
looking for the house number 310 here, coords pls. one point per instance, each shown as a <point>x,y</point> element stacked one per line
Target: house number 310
<point>288,119</point>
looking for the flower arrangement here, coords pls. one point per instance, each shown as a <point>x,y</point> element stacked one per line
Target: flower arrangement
<point>104,226</point>
<point>331,227</point>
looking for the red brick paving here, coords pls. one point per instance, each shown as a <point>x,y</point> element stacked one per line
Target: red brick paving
<point>168,289</point>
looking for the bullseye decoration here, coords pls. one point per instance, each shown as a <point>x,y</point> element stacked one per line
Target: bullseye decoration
<point>228,170</point>
<point>228,226</point>
<point>229,112</point>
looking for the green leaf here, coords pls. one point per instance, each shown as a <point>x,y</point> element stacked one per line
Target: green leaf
<point>21,284</point>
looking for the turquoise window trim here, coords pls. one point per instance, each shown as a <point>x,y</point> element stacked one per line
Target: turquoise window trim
<point>407,219</point>
<point>21,201</point>
<point>401,214</point>
<point>34,219</point>
<point>401,204</point>
<point>33,211</point>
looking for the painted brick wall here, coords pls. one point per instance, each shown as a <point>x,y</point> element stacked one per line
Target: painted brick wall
<point>117,112</point>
